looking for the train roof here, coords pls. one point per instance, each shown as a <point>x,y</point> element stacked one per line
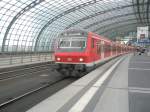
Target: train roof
<point>74,31</point>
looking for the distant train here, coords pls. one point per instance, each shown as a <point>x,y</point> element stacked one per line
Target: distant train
<point>79,51</point>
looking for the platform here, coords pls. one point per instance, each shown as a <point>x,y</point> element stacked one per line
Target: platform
<point>20,60</point>
<point>121,85</point>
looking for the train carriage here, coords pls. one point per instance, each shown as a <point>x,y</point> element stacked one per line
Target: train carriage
<point>79,51</point>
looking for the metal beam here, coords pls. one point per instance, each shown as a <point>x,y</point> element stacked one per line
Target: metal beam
<point>122,30</point>
<point>147,10</point>
<point>99,13</point>
<point>143,9</point>
<point>104,20</point>
<point>138,9</point>
<point>116,27</point>
<point>27,8</point>
<point>134,8</point>
<point>61,15</point>
<point>78,21</point>
<point>126,28</point>
<point>122,21</point>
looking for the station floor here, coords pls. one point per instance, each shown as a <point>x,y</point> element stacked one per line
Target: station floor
<point>123,87</point>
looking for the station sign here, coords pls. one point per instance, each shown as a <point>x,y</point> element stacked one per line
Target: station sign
<point>145,41</point>
<point>143,35</point>
<point>142,32</point>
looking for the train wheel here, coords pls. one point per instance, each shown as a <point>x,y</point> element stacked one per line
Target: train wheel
<point>64,72</point>
<point>78,74</point>
<point>75,73</point>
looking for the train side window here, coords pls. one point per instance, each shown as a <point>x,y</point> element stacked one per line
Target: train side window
<point>106,48</point>
<point>114,48</point>
<point>102,47</point>
<point>98,47</point>
<point>92,44</point>
<point>109,48</point>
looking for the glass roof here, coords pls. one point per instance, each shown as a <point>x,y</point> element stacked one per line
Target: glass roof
<point>33,25</point>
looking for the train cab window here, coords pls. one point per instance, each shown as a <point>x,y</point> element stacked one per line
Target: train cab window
<point>72,43</point>
<point>78,44</point>
<point>92,44</point>
<point>64,43</point>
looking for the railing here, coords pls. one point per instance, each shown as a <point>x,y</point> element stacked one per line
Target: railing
<point>22,58</point>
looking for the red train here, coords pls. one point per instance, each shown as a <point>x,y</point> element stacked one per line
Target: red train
<point>79,51</point>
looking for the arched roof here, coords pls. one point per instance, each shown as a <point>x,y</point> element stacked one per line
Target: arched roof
<point>33,25</point>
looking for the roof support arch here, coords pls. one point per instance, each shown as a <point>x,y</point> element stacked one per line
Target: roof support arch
<point>27,8</point>
<point>114,17</point>
<point>120,26</point>
<point>99,13</point>
<point>123,21</point>
<point>61,15</point>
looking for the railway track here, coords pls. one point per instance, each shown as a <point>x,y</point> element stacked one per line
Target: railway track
<point>12,102</point>
<point>28,93</point>
<point>12,74</point>
<point>19,72</point>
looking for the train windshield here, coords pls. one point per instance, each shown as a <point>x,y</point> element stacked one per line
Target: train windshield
<point>72,43</point>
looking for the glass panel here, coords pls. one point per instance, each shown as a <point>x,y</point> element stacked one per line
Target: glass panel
<point>49,18</point>
<point>64,43</point>
<point>78,44</point>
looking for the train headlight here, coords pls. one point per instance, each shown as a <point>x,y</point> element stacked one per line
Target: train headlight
<point>81,59</point>
<point>58,59</point>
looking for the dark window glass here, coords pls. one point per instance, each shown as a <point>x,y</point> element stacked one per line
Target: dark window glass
<point>92,45</point>
<point>64,44</point>
<point>98,45</point>
<point>78,44</point>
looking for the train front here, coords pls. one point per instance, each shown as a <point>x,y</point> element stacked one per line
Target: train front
<point>70,54</point>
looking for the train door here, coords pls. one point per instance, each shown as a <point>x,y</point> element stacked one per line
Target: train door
<point>102,49</point>
<point>93,52</point>
<point>111,49</point>
<point>116,49</point>
<point>120,49</point>
<point>98,44</point>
